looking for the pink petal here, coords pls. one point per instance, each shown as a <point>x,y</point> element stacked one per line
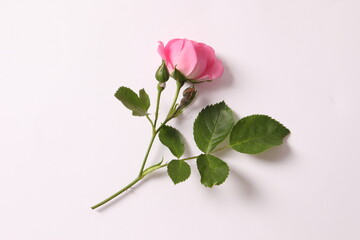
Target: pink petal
<point>204,55</point>
<point>161,51</point>
<point>172,50</point>
<point>197,61</point>
<point>185,60</point>
<point>217,70</point>
<point>213,72</point>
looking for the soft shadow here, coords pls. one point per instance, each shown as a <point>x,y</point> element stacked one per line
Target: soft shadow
<point>225,81</point>
<point>246,187</point>
<point>188,148</point>
<point>276,154</point>
<point>130,191</point>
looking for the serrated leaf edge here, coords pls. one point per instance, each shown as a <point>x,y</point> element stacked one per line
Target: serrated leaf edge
<point>145,105</point>
<point>181,136</point>
<point>217,183</point>
<point>167,170</point>
<point>196,119</point>
<point>134,113</point>
<point>286,132</point>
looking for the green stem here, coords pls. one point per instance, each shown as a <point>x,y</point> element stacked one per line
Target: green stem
<point>157,106</point>
<point>146,172</point>
<point>147,152</point>
<point>117,193</point>
<point>151,122</point>
<point>155,131</point>
<point>178,87</point>
<point>189,158</point>
<point>220,149</point>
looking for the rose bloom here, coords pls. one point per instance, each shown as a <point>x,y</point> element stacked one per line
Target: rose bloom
<point>196,61</point>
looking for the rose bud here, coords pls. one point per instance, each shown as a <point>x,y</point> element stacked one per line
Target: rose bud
<point>195,61</point>
<point>188,96</point>
<point>162,74</point>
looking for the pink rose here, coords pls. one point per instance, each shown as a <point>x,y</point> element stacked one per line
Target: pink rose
<point>195,60</point>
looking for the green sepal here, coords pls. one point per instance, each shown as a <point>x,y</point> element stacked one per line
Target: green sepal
<point>257,133</point>
<point>213,170</point>
<point>178,76</point>
<point>178,171</point>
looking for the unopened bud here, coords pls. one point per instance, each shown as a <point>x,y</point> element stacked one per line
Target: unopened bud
<point>188,96</point>
<point>162,74</point>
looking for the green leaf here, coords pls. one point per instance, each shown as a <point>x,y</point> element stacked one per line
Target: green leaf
<point>173,139</point>
<point>178,171</point>
<point>138,105</point>
<point>256,133</point>
<point>212,126</point>
<point>144,97</point>
<point>213,171</point>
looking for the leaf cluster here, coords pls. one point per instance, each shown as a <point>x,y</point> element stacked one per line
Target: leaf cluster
<point>215,123</point>
<point>252,134</point>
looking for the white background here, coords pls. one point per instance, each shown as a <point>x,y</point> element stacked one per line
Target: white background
<point>67,143</point>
